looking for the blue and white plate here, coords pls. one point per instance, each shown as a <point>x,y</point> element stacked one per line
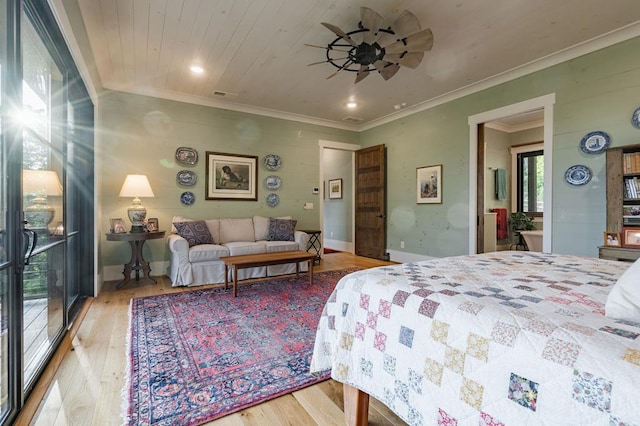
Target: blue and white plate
<point>594,142</point>
<point>186,155</point>
<point>187,198</point>
<point>272,162</point>
<point>186,178</point>
<point>578,175</point>
<point>273,200</point>
<point>273,182</point>
<point>635,118</point>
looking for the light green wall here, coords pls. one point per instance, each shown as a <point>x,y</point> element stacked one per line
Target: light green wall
<point>498,156</point>
<point>139,135</point>
<point>337,213</point>
<point>598,91</point>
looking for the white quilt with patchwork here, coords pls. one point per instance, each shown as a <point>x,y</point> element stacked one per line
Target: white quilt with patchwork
<point>505,338</point>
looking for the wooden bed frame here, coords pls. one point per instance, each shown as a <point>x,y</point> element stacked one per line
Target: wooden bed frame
<point>356,406</point>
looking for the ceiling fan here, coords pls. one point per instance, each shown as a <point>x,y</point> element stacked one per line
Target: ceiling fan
<point>370,48</point>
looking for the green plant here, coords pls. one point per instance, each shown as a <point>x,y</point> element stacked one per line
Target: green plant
<point>521,222</point>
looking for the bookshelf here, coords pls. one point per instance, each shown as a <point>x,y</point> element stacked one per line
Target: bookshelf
<point>623,193</point>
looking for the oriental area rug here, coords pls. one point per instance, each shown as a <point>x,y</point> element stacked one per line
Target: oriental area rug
<point>199,355</point>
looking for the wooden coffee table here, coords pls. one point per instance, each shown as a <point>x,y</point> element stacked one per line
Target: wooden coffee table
<point>265,259</point>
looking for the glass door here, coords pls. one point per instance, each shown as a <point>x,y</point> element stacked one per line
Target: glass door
<point>43,121</point>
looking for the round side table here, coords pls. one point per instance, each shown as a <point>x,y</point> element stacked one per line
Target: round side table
<point>136,241</point>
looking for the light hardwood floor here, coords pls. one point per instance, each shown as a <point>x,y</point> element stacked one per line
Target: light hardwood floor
<point>86,389</point>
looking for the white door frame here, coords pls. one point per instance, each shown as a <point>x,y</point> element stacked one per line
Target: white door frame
<point>544,102</point>
<point>323,144</point>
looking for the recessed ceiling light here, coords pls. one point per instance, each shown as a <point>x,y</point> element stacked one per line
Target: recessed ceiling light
<point>196,69</point>
<point>351,104</point>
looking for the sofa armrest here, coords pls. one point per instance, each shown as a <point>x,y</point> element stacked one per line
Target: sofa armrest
<point>179,247</point>
<point>302,238</point>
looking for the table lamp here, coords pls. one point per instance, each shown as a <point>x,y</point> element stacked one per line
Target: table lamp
<point>40,184</point>
<point>136,186</point>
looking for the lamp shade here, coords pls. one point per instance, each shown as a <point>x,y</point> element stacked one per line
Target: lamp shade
<point>41,182</point>
<point>136,186</point>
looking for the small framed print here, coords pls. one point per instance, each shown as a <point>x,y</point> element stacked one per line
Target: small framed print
<point>429,185</point>
<point>631,237</point>
<point>612,239</point>
<point>117,226</point>
<point>152,224</point>
<point>335,189</point>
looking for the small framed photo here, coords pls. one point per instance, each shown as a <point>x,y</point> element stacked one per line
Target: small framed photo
<point>631,237</point>
<point>117,226</point>
<point>152,224</point>
<point>612,239</point>
<point>335,189</point>
<point>429,185</point>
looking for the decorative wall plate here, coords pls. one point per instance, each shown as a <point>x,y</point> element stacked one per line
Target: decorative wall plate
<point>187,198</point>
<point>272,162</point>
<point>635,118</point>
<point>186,178</point>
<point>578,175</point>
<point>594,142</point>
<point>186,155</point>
<point>273,200</point>
<point>273,182</point>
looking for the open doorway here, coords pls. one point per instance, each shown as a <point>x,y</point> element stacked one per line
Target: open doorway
<point>478,164</point>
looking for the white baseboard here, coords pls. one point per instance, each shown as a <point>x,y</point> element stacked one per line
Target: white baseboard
<point>338,245</point>
<point>404,257</point>
<point>114,272</point>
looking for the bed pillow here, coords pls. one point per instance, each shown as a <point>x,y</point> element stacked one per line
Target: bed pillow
<point>195,232</point>
<point>281,229</point>
<point>623,302</point>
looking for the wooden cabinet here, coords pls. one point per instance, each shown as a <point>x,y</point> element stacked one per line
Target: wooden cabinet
<point>623,192</point>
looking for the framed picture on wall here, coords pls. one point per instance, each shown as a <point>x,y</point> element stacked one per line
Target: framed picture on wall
<point>429,184</point>
<point>231,177</point>
<point>335,189</point>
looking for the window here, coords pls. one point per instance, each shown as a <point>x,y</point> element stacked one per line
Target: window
<point>528,188</point>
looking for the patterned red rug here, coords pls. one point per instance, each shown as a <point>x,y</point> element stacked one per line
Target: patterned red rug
<point>199,355</point>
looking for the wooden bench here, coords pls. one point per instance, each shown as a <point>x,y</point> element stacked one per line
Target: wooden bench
<point>265,259</point>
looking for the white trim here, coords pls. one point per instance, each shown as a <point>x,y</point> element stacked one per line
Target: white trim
<point>517,128</point>
<point>545,102</point>
<point>324,144</point>
<point>338,245</point>
<point>515,150</point>
<point>114,272</point>
<point>405,257</point>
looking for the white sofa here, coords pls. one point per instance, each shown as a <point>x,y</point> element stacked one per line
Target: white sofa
<point>201,264</point>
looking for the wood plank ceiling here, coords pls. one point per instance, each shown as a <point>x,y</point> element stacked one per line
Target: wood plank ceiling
<point>253,50</point>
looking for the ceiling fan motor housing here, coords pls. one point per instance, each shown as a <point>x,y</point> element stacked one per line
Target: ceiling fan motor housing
<point>367,54</point>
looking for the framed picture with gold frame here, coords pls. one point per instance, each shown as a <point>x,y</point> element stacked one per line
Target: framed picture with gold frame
<point>612,239</point>
<point>631,237</point>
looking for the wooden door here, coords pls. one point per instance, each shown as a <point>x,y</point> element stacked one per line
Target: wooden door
<point>370,203</point>
<point>480,190</point>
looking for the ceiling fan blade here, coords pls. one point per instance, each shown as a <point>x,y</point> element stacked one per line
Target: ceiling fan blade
<point>327,60</point>
<point>405,24</point>
<point>409,59</point>
<point>371,20</point>
<point>362,73</point>
<point>389,71</point>
<point>420,41</point>
<point>337,31</point>
<point>326,47</point>
<point>345,65</point>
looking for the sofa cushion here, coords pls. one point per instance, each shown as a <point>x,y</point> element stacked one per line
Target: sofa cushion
<point>195,232</point>
<point>239,247</point>
<point>207,253</point>
<point>214,228</point>
<point>232,230</point>
<point>281,229</point>
<point>261,226</point>
<point>178,219</point>
<point>278,246</point>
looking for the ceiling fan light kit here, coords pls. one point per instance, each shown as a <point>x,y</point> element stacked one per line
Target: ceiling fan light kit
<point>371,48</point>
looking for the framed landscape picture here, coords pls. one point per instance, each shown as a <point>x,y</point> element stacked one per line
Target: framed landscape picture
<point>429,185</point>
<point>231,177</point>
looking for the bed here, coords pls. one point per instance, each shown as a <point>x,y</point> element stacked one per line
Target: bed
<point>505,338</point>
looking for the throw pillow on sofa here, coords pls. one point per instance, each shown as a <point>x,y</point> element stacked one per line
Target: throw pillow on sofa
<point>195,232</point>
<point>281,229</point>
